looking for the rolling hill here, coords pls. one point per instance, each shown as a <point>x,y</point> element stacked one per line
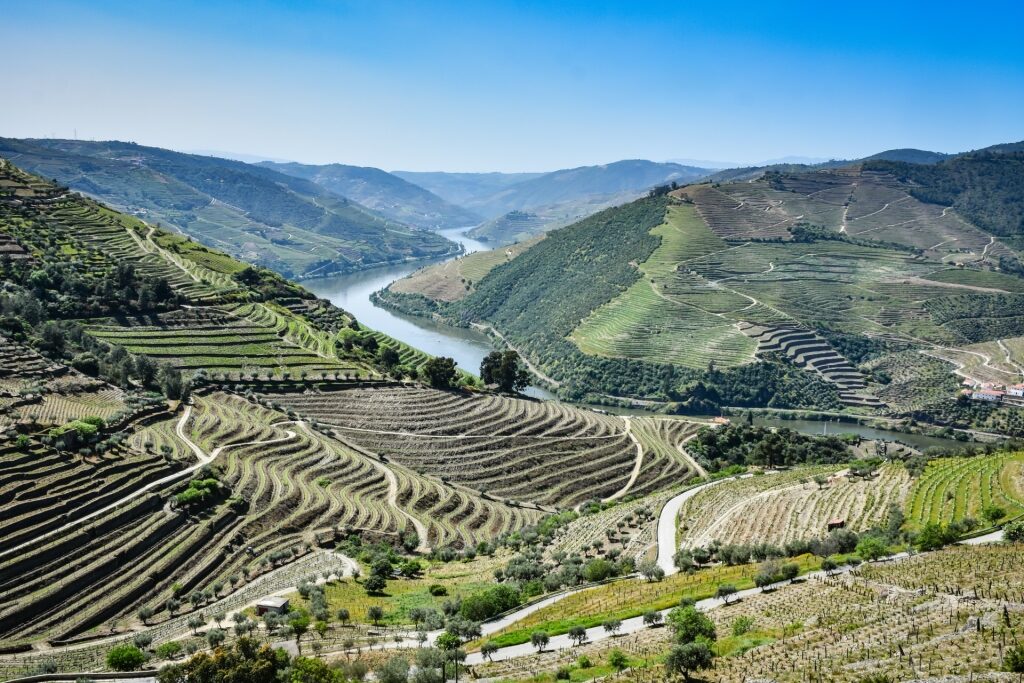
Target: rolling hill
<point>289,224</point>
<point>554,199</point>
<point>385,193</point>
<point>807,288</point>
<point>182,434</point>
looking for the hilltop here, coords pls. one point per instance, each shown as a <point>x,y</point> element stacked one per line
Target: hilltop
<point>385,193</point>
<point>840,288</point>
<point>288,224</point>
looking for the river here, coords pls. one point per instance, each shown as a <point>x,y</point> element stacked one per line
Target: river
<point>352,293</point>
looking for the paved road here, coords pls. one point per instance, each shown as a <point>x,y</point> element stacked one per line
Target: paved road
<point>994,537</point>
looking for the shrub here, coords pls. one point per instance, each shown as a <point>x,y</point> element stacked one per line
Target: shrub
<point>169,650</point>
<point>437,590</point>
<point>742,625</point>
<point>125,658</point>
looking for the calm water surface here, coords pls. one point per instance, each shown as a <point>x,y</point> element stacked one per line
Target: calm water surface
<point>352,293</point>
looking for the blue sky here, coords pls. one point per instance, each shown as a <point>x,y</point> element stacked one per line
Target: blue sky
<point>514,86</point>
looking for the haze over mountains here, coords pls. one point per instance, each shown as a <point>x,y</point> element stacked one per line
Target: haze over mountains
<point>308,220</point>
<point>289,224</point>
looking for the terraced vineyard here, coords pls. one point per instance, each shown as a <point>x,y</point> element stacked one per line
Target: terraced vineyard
<point>672,315</point>
<point>952,489</point>
<point>777,508</point>
<point>286,487</point>
<point>452,280</point>
<point>40,393</point>
<point>234,339</point>
<point>545,453</point>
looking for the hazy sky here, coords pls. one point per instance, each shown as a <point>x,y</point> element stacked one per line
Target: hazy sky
<point>513,86</point>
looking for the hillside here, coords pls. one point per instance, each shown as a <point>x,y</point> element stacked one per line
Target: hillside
<point>385,193</point>
<point>514,226</point>
<point>984,186</point>
<point>520,207</point>
<point>586,186</point>
<point>184,434</point>
<point>825,280</point>
<point>288,224</point>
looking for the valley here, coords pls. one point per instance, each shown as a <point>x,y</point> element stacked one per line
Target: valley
<point>186,435</point>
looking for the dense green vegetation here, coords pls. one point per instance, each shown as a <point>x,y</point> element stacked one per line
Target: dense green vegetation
<point>743,444</point>
<point>537,299</point>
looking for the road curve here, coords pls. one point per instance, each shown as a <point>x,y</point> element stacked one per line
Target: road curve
<point>667,525</point>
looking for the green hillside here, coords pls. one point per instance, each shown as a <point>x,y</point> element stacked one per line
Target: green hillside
<point>385,193</point>
<point>827,278</point>
<point>288,224</point>
<point>537,301</point>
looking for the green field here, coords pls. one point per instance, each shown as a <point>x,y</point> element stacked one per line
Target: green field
<point>953,489</point>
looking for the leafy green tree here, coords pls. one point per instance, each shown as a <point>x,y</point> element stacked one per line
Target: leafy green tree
<point>617,660</point>
<point>125,658</point>
<point>934,536</point>
<point>612,626</point>
<point>725,591</point>
<point>872,548</point>
<point>487,649</point>
<point>650,570</point>
<point>652,618</point>
<point>313,670</point>
<point>375,613</point>
<point>504,369</point>
<point>375,583</point>
<point>394,670</point>
<point>245,660</point>
<point>299,622</point>
<point>168,650</point>
<point>440,372</point>
<point>539,639</point>
<point>215,637</point>
<point>1014,533</point>
<point>690,657</point>
<point>577,634</point>
<point>690,625</point>
<point>389,357</point>
<point>992,514</point>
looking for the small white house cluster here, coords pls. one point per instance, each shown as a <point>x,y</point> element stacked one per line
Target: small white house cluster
<point>990,391</point>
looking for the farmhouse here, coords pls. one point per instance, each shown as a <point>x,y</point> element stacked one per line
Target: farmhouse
<point>837,523</point>
<point>1016,390</point>
<point>987,395</point>
<point>275,605</point>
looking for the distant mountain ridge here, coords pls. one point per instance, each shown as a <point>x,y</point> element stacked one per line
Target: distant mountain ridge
<point>289,224</point>
<point>556,198</point>
<point>389,195</point>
